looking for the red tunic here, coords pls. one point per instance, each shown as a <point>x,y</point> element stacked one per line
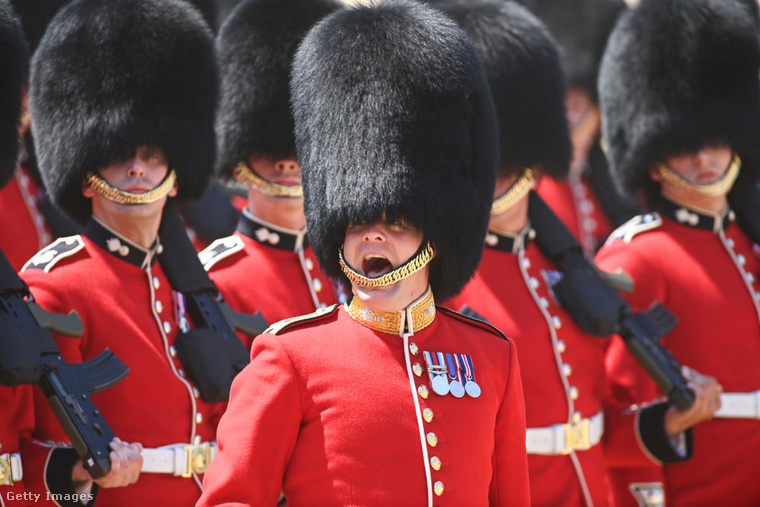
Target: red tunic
<point>270,270</point>
<point>16,424</point>
<point>563,367</point>
<point>23,230</point>
<point>126,304</point>
<point>331,413</point>
<point>704,269</point>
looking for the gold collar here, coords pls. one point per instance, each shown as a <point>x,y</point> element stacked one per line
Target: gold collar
<point>415,317</point>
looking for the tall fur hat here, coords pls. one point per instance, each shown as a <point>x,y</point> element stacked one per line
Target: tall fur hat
<point>581,28</point>
<point>394,118</point>
<point>676,75</point>
<point>12,78</point>
<point>110,76</point>
<point>523,69</point>
<point>255,47</point>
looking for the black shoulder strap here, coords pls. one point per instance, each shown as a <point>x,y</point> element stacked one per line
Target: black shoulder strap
<point>552,237</point>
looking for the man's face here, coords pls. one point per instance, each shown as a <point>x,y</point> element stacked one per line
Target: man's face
<point>376,249</point>
<point>138,174</point>
<point>285,172</point>
<point>702,167</point>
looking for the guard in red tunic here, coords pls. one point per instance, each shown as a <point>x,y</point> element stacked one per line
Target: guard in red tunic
<point>267,265</point>
<point>566,393</point>
<point>586,200</point>
<point>681,114</point>
<point>122,96</point>
<point>389,399</point>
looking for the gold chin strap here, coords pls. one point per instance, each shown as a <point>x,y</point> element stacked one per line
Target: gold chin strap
<point>411,266</point>
<point>516,192</point>
<point>720,187</point>
<point>113,194</point>
<point>248,175</point>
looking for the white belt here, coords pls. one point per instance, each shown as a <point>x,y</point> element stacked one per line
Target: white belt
<point>10,469</point>
<point>739,405</point>
<point>565,438</point>
<point>180,460</point>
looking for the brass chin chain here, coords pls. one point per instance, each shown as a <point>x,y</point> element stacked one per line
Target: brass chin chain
<point>720,187</point>
<point>113,194</point>
<point>411,266</point>
<point>516,192</point>
<point>249,176</point>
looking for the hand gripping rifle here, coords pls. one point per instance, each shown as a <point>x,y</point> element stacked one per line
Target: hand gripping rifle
<point>211,353</point>
<point>30,355</point>
<point>597,307</point>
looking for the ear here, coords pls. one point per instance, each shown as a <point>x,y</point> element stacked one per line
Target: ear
<point>174,190</point>
<point>654,174</point>
<point>87,190</point>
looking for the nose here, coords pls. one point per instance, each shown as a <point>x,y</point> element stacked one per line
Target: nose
<point>287,166</point>
<point>373,233</point>
<point>136,168</point>
<point>702,157</point>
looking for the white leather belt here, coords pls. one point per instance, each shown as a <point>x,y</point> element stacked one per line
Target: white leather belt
<point>180,460</point>
<point>565,438</point>
<point>739,405</point>
<point>10,469</point>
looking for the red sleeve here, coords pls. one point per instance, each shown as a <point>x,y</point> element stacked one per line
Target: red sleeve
<point>510,485</point>
<point>258,432</point>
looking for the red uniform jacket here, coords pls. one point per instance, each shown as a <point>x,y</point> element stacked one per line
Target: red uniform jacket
<point>270,270</point>
<point>704,269</point>
<point>330,412</point>
<point>16,423</point>
<point>127,305</point>
<point>23,230</point>
<point>563,367</point>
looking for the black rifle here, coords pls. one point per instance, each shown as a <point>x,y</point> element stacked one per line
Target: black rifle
<point>598,308</point>
<point>211,353</point>
<point>30,355</point>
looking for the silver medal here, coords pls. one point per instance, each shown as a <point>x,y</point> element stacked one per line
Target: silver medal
<point>440,385</point>
<point>456,388</point>
<point>472,389</point>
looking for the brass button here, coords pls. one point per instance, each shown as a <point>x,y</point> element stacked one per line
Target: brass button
<point>181,372</point>
<point>567,370</point>
<point>414,349</point>
<point>159,307</point>
<point>438,488</point>
<point>198,418</point>
<point>526,263</point>
<point>156,283</point>
<point>750,278</point>
<point>730,243</point>
<point>427,414</point>
<point>417,369</point>
<point>167,327</point>
<point>556,322</point>
<point>534,282</point>
<point>577,417</point>
<point>532,234</point>
<point>196,392</point>
<point>432,439</point>
<point>309,264</point>
<point>173,351</point>
<point>423,390</point>
<point>543,302</point>
<point>561,347</point>
<point>197,440</point>
<point>317,285</point>
<point>573,393</point>
<point>435,462</point>
<point>742,260</point>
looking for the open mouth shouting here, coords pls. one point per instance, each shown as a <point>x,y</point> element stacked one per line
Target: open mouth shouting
<point>375,265</point>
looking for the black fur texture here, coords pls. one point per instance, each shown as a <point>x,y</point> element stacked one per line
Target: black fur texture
<point>394,118</point>
<point>110,76</point>
<point>522,65</point>
<point>677,75</point>
<point>255,47</point>
<point>12,78</point>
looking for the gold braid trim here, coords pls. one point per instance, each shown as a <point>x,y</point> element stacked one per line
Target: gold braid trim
<point>113,194</point>
<point>248,175</point>
<point>517,191</point>
<point>411,266</point>
<point>720,187</point>
<point>422,314</point>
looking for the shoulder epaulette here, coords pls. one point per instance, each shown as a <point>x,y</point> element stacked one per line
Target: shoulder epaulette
<point>478,321</point>
<point>284,324</point>
<point>634,226</point>
<point>59,249</point>
<point>220,249</point>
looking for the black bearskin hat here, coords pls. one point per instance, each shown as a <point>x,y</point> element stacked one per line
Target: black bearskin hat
<point>393,116</point>
<point>110,76</point>
<point>581,29</point>
<point>676,75</point>
<point>255,47</point>
<point>523,69</point>
<point>12,78</point>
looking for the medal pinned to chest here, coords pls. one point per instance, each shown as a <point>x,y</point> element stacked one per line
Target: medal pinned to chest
<point>451,374</point>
